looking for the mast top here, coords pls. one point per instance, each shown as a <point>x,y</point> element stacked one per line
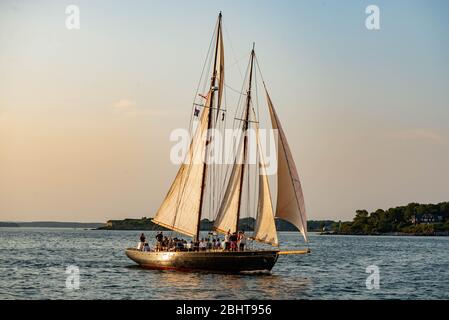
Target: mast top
<point>220,15</point>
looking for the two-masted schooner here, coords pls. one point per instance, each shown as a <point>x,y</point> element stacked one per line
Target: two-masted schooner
<point>199,186</point>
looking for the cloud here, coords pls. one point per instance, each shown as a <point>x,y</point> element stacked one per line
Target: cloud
<point>124,104</point>
<point>422,135</point>
<point>130,107</point>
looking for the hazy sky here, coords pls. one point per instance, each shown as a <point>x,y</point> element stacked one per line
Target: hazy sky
<point>85,115</point>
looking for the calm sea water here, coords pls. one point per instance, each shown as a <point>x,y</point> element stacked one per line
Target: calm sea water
<point>33,264</point>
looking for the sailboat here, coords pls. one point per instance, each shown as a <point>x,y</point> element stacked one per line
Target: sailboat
<point>196,188</point>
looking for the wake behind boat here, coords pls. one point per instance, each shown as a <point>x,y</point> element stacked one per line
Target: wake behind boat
<point>228,192</point>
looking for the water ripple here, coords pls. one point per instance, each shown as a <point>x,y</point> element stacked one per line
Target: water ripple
<point>33,264</point>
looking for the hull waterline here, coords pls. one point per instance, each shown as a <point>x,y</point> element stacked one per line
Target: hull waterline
<point>214,261</point>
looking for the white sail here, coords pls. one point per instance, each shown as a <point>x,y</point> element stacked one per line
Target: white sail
<point>290,200</point>
<point>180,209</point>
<point>227,214</point>
<point>265,228</point>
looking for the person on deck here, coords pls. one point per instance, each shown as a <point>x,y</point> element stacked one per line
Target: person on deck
<point>217,244</point>
<point>242,241</point>
<point>233,240</point>
<point>159,238</point>
<point>202,245</point>
<point>146,247</point>
<point>227,239</point>
<point>165,243</point>
<point>196,245</point>
<point>179,245</point>
<point>142,242</point>
<point>209,244</point>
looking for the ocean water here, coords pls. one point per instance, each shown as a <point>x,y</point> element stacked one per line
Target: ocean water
<point>33,264</point>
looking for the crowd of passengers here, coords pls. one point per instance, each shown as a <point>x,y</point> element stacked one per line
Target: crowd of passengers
<point>232,242</point>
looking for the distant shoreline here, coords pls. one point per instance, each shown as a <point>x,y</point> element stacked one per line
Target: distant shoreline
<point>393,234</point>
<point>52,224</point>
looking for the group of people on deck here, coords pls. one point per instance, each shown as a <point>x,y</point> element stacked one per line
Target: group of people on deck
<point>232,242</point>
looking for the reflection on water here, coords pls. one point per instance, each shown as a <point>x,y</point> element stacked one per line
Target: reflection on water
<point>33,263</point>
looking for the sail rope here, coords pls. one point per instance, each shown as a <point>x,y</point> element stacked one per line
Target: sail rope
<point>236,61</point>
<point>235,90</point>
<point>223,169</point>
<point>234,126</point>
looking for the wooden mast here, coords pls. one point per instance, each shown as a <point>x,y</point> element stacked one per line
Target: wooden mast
<point>209,125</point>
<point>245,141</point>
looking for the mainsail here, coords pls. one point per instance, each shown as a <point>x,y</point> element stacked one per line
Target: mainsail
<point>180,209</point>
<point>290,200</point>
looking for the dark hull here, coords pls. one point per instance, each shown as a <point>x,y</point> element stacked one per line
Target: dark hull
<point>215,261</point>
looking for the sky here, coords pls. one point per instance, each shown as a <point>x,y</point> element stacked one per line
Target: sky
<point>86,115</point>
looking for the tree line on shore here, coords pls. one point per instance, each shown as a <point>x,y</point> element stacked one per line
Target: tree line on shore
<point>414,218</point>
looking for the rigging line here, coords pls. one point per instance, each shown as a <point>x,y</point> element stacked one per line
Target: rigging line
<point>211,167</point>
<point>221,164</point>
<point>256,177</point>
<point>229,157</point>
<point>248,192</point>
<point>242,90</point>
<point>232,49</point>
<point>258,67</point>
<point>239,103</point>
<point>235,90</point>
<point>204,66</point>
<point>228,169</point>
<point>257,96</point>
<point>257,138</point>
<point>220,176</point>
<point>236,62</point>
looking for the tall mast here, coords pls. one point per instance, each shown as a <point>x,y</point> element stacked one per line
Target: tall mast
<point>245,141</point>
<point>209,125</point>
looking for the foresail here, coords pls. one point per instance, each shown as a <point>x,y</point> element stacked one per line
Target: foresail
<point>265,229</point>
<point>180,209</point>
<point>227,214</point>
<point>290,200</point>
